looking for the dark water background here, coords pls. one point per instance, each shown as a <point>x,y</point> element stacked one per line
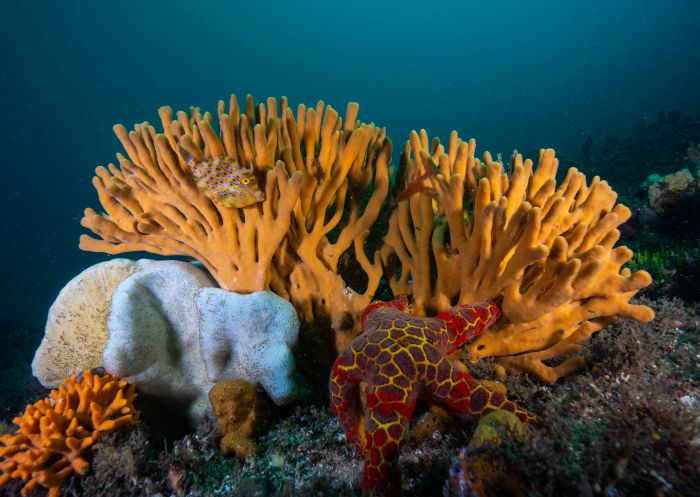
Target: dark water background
<point>521,74</point>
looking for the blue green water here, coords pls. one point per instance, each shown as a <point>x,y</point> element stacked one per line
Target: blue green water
<point>512,74</point>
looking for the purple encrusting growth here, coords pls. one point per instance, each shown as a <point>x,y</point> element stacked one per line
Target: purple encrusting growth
<point>226,182</point>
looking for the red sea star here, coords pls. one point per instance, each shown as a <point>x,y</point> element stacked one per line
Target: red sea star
<point>403,358</point>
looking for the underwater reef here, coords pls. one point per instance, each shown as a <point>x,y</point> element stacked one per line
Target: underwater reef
<point>483,328</point>
<point>626,425</point>
<point>665,232</point>
<point>660,144</point>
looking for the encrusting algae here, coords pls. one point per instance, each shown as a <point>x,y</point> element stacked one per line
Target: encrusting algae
<point>54,433</point>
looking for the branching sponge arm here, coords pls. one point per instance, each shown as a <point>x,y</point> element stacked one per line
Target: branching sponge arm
<point>548,250</point>
<point>153,205</point>
<point>324,178</point>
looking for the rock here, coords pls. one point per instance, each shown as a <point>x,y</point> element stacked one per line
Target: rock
<point>493,429</point>
<point>672,208</point>
<point>76,328</point>
<point>660,187</point>
<point>496,427</point>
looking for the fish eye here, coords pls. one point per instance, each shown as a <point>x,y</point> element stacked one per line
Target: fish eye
<point>245,181</point>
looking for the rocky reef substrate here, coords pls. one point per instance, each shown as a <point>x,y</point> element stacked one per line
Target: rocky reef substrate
<point>629,424</point>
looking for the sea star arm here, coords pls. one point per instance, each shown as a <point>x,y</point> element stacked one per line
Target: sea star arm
<point>463,396</point>
<point>466,322</point>
<point>387,418</point>
<point>400,303</point>
<point>345,401</point>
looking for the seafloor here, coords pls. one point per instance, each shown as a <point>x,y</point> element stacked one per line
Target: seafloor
<point>627,425</point>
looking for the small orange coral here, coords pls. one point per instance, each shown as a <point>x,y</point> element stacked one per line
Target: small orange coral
<point>54,432</point>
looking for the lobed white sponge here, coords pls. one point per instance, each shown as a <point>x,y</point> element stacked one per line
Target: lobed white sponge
<point>76,327</point>
<point>166,328</point>
<point>249,337</point>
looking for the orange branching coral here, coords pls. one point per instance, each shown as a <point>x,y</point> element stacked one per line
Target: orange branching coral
<point>54,433</point>
<point>547,249</point>
<point>324,180</point>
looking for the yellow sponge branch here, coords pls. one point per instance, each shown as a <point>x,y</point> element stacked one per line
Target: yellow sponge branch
<point>475,230</point>
<point>323,180</point>
<point>463,229</point>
